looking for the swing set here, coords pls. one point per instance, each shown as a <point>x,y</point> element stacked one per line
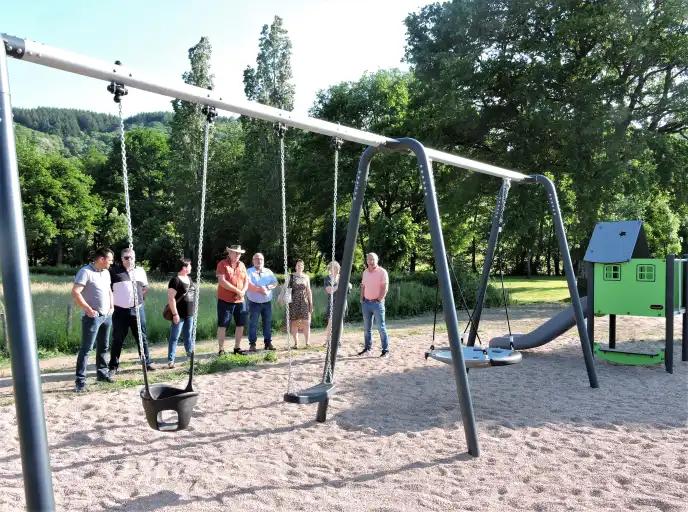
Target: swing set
<point>15,272</point>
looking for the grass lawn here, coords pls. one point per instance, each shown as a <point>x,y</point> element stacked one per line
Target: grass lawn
<point>536,289</point>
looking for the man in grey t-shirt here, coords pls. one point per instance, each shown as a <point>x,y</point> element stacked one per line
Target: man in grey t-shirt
<point>92,293</point>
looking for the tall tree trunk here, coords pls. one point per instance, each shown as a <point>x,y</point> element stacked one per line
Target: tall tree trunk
<point>473,250</point>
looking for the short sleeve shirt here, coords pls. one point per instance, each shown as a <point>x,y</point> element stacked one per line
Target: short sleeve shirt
<point>122,289</point>
<point>263,278</point>
<point>96,291</point>
<point>374,283</point>
<point>185,306</point>
<point>235,276</point>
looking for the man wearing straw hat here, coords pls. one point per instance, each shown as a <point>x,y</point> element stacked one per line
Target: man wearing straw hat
<point>232,284</point>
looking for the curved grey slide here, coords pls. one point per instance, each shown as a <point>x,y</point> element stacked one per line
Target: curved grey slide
<point>551,329</point>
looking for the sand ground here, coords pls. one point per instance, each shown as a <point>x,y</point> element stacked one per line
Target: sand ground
<point>393,440</point>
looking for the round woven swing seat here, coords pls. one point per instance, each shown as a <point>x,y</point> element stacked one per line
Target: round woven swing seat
<point>476,357</point>
<point>168,398</point>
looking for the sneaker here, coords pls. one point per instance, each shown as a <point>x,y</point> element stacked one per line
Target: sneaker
<point>385,353</point>
<point>269,346</point>
<point>150,368</point>
<point>170,364</point>
<point>80,388</point>
<point>105,378</point>
<point>364,352</point>
<point>113,372</point>
<point>252,347</point>
<point>240,352</point>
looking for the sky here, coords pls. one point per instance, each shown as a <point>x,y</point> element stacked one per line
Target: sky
<point>332,41</point>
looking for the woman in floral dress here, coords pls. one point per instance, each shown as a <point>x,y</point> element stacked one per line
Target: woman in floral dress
<point>301,306</point>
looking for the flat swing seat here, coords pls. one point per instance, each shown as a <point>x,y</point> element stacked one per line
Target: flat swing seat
<point>476,357</point>
<point>313,395</point>
<point>621,357</point>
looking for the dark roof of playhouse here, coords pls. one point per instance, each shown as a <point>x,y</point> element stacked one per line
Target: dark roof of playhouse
<point>617,242</point>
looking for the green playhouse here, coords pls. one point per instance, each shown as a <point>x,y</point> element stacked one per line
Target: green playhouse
<point>624,280</point>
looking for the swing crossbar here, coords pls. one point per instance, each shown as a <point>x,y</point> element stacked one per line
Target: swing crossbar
<point>38,53</point>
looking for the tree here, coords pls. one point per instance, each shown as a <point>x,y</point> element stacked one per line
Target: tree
<point>378,102</point>
<point>268,83</point>
<point>578,89</point>
<point>59,209</point>
<point>148,167</point>
<point>186,142</point>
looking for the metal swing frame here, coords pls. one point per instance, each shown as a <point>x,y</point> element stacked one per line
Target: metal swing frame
<point>14,262</point>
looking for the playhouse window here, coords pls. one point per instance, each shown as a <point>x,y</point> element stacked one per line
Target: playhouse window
<point>645,273</point>
<point>612,272</point>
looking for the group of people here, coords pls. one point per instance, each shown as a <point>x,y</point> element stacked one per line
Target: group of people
<point>112,298</point>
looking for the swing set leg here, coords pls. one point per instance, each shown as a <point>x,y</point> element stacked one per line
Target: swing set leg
<point>321,417</point>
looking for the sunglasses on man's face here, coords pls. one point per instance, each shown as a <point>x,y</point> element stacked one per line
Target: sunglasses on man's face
<point>127,257</point>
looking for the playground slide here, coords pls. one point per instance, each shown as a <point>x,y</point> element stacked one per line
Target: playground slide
<point>551,329</point>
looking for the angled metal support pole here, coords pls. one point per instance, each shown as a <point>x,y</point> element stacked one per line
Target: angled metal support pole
<point>33,440</point>
<point>439,252</point>
<point>684,330</point>
<point>570,274</point>
<point>497,221</point>
<point>669,307</point>
<point>347,264</point>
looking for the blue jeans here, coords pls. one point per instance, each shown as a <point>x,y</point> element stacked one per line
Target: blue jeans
<point>372,309</point>
<point>263,310</point>
<point>184,326</point>
<point>93,331</point>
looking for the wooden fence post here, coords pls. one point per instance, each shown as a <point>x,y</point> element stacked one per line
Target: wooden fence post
<point>70,312</point>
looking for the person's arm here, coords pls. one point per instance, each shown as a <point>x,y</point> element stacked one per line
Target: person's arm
<point>362,288</point>
<point>112,303</point>
<point>172,303</point>
<point>330,288</point>
<point>273,284</point>
<point>251,285</point>
<point>385,288</point>
<point>144,284</point>
<point>222,281</point>
<point>310,294</point>
<point>81,302</point>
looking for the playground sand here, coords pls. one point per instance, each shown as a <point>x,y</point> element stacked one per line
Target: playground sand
<point>394,438</point>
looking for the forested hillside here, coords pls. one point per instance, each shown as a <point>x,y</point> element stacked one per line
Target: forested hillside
<point>586,93</point>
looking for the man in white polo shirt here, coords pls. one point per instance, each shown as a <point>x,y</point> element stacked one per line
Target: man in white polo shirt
<point>261,282</point>
<point>124,317</point>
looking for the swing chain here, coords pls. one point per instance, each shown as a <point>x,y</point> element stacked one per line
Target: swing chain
<point>503,194</point>
<point>281,130</point>
<point>130,237</point>
<point>337,144</point>
<point>210,117</point>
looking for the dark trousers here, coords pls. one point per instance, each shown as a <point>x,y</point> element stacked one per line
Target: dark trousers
<point>93,331</point>
<point>264,311</point>
<point>123,321</point>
